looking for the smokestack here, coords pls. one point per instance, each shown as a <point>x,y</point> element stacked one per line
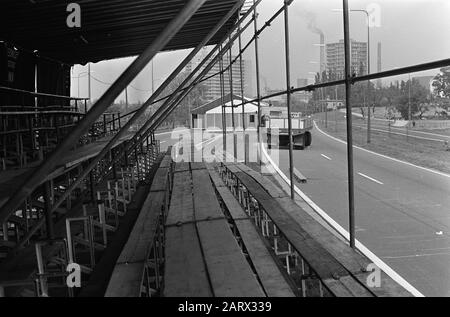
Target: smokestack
<point>322,53</point>
<point>379,66</point>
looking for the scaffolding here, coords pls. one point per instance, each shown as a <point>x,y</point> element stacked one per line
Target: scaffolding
<point>128,156</point>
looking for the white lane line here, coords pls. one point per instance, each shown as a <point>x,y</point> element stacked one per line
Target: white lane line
<point>329,159</point>
<point>361,247</point>
<point>384,156</point>
<point>162,142</point>
<point>370,178</point>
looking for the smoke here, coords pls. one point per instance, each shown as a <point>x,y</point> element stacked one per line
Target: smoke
<point>311,23</point>
<point>311,20</point>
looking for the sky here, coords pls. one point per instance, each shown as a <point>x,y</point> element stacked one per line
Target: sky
<point>411,32</point>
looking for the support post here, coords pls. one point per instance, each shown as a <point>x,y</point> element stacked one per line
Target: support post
<point>48,210</point>
<point>233,122</point>
<point>288,95</point>
<point>224,113</point>
<point>258,83</point>
<point>348,85</point>
<point>242,95</point>
<point>100,106</point>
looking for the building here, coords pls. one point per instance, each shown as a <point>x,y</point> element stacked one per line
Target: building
<point>209,116</point>
<point>213,85</point>
<point>336,58</point>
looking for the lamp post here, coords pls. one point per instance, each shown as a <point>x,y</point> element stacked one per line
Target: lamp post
<point>368,64</point>
<point>80,75</point>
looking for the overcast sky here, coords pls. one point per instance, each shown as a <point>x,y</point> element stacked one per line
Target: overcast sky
<point>411,32</point>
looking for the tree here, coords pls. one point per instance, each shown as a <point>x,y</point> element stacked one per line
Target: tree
<point>441,83</point>
<point>417,99</point>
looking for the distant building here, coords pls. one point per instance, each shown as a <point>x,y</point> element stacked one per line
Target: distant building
<point>213,86</point>
<point>209,115</point>
<point>336,58</point>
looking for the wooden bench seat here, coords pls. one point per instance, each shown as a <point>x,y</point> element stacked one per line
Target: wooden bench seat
<point>128,275</point>
<point>330,271</point>
<point>269,273</point>
<point>203,257</point>
<point>353,261</point>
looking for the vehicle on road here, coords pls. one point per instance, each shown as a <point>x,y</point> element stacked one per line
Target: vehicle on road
<point>301,127</point>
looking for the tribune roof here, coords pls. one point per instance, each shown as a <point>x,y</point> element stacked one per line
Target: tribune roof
<point>110,28</point>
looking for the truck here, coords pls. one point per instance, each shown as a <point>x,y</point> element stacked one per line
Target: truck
<point>301,128</point>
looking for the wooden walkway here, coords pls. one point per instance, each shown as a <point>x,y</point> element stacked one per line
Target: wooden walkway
<point>203,257</point>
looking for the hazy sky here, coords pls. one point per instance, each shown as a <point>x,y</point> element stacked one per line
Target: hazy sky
<point>411,32</point>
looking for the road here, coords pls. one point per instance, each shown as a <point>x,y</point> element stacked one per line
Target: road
<point>382,125</point>
<point>402,211</point>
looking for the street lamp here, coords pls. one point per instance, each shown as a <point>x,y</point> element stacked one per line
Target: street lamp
<point>83,74</point>
<point>368,63</point>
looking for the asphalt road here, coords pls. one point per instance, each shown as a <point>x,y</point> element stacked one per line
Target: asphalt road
<point>402,211</point>
<point>382,125</point>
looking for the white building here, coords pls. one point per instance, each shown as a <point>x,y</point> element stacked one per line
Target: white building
<point>209,116</point>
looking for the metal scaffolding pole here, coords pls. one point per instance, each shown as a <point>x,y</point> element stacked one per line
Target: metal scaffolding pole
<point>288,95</point>
<point>242,95</point>
<point>144,107</point>
<point>169,106</point>
<point>100,107</point>
<point>258,83</point>
<point>181,90</point>
<point>224,116</point>
<point>230,69</point>
<point>348,85</point>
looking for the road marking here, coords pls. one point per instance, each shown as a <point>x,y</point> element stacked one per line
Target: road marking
<point>415,255</point>
<point>361,247</point>
<point>329,159</point>
<point>370,178</point>
<point>162,142</point>
<point>382,155</point>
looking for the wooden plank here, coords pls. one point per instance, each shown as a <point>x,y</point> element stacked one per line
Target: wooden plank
<point>229,272</point>
<point>181,167</point>
<point>323,263</point>
<point>198,166</point>
<point>160,180</point>
<point>185,274</point>
<point>167,160</point>
<point>126,280</point>
<point>299,176</point>
<point>273,190</point>
<point>141,238</point>
<point>181,205</point>
<point>232,204</point>
<point>205,199</point>
<point>269,273</point>
<point>273,281</point>
<point>351,260</point>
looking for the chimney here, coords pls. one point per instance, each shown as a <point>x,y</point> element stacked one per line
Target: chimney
<point>322,53</point>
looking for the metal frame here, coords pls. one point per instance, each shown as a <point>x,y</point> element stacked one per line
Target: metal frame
<point>101,105</point>
<point>138,160</point>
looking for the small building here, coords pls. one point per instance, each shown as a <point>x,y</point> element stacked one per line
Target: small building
<point>209,116</point>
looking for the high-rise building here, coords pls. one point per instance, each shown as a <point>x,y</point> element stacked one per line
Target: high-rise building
<point>336,58</point>
<point>213,86</point>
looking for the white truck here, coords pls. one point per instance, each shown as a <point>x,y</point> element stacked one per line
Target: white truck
<point>301,127</point>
